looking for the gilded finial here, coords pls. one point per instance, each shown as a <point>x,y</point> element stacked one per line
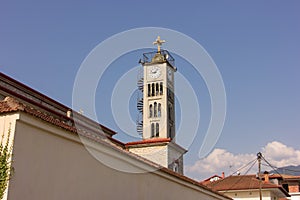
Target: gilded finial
<point>158,42</point>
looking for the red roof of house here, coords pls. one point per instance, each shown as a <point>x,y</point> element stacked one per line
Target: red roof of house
<point>208,180</point>
<point>284,176</point>
<point>242,182</point>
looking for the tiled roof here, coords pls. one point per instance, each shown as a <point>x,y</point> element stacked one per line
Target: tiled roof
<point>242,182</point>
<point>10,104</point>
<point>283,176</point>
<point>238,183</point>
<point>42,103</point>
<point>208,180</point>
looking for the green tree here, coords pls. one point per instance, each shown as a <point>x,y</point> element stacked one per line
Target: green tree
<point>5,163</point>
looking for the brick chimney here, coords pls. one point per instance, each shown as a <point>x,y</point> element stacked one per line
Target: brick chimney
<point>266,174</point>
<point>223,175</point>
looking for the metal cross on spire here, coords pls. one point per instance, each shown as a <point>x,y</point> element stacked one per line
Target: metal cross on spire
<point>158,42</point>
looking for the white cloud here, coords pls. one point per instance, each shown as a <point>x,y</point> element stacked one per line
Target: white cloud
<point>280,155</point>
<point>220,160</point>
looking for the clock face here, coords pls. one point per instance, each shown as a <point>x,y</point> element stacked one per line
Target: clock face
<point>154,72</point>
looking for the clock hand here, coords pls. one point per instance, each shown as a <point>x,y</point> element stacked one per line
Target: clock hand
<point>153,71</point>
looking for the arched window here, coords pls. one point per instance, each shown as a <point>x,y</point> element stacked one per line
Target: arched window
<point>159,110</point>
<point>155,109</point>
<point>150,111</point>
<point>152,130</point>
<point>157,89</point>
<point>149,90</point>
<point>157,130</point>
<point>161,88</point>
<point>153,89</point>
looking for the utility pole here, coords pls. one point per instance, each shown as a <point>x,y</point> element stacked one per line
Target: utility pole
<point>259,173</point>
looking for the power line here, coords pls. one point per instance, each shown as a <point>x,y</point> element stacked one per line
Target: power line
<point>241,168</point>
<point>251,163</point>
<point>241,177</point>
<point>272,166</point>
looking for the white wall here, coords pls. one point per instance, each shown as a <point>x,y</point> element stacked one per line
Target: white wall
<point>157,154</point>
<point>8,124</point>
<point>51,163</point>
<point>251,195</point>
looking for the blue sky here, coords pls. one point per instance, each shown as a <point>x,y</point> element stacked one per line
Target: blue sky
<point>255,45</point>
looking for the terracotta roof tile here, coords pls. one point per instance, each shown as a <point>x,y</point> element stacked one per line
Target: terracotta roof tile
<point>9,105</point>
<point>208,180</point>
<point>283,176</point>
<point>241,182</point>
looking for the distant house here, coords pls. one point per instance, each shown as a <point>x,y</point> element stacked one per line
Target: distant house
<point>247,187</point>
<point>213,179</point>
<point>51,162</point>
<point>289,182</point>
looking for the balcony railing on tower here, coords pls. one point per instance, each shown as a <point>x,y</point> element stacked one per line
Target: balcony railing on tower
<point>154,56</point>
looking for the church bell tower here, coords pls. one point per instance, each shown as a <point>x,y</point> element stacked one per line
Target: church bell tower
<point>157,107</point>
<point>158,96</point>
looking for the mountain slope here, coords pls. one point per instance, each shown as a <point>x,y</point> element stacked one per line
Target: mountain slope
<point>290,170</point>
